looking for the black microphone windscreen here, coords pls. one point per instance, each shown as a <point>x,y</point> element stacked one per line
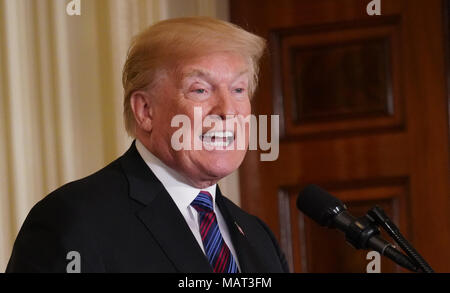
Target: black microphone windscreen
<point>318,204</point>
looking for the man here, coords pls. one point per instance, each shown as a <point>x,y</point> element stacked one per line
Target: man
<point>158,208</point>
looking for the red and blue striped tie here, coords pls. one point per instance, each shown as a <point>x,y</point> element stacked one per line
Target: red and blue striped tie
<point>216,250</point>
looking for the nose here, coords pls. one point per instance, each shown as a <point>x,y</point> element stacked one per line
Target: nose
<point>225,105</point>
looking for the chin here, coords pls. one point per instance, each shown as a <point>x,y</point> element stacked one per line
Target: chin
<point>222,165</point>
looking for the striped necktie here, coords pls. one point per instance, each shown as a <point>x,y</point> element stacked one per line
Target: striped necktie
<point>216,250</point>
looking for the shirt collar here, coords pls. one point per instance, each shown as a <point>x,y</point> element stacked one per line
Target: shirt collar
<point>181,192</point>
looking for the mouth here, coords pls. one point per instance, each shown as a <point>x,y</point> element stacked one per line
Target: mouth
<point>217,138</point>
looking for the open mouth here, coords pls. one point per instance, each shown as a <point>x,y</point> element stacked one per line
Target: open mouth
<point>217,138</point>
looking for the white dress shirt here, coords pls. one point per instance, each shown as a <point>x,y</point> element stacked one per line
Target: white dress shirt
<point>183,194</point>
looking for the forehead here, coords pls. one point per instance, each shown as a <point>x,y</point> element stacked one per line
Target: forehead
<point>214,66</point>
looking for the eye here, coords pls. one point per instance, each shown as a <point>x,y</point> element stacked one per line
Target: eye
<point>239,90</point>
<point>199,91</point>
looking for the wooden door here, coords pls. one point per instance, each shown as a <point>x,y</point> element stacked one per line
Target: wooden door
<point>363,112</point>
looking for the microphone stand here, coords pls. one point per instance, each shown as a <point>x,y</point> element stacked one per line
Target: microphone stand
<point>361,233</point>
<point>377,216</point>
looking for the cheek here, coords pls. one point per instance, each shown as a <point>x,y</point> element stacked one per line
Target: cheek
<point>246,108</point>
<point>170,108</point>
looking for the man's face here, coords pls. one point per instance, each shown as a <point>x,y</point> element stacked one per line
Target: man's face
<point>216,84</point>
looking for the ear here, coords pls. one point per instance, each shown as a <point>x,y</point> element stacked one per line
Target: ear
<point>141,105</point>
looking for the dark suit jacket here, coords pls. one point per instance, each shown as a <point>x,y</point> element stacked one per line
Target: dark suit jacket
<point>121,219</point>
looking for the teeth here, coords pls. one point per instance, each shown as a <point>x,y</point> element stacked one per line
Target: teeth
<point>221,138</point>
<point>218,134</point>
<point>217,143</point>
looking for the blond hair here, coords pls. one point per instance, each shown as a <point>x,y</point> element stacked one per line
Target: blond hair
<point>168,42</point>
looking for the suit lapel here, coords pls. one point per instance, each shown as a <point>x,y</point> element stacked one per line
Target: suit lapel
<point>249,261</point>
<point>162,217</point>
<point>174,236</point>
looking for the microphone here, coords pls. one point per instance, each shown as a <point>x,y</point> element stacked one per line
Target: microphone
<point>361,233</point>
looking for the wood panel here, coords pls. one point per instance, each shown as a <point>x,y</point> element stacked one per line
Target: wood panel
<point>337,78</point>
<point>312,248</point>
<point>369,137</point>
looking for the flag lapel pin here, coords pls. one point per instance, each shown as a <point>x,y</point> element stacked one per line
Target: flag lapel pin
<point>239,228</point>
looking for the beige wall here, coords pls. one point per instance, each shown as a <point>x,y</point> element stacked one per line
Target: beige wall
<point>61,94</point>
